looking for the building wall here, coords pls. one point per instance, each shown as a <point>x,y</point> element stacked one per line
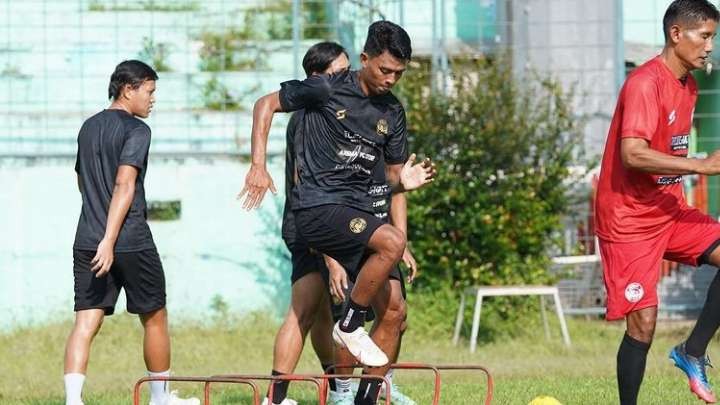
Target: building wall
<point>216,249</point>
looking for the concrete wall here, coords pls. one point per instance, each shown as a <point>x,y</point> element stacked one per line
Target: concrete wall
<point>214,249</point>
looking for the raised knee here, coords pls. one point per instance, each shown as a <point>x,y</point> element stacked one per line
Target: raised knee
<point>394,243</point>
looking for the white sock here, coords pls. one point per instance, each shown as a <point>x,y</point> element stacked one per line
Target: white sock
<point>342,385</point>
<point>389,375</point>
<point>73,388</point>
<point>159,389</point>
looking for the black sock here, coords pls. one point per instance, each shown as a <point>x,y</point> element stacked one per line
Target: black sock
<point>708,322</point>
<point>354,316</point>
<point>631,368</point>
<point>331,381</point>
<point>280,388</point>
<point>368,391</point>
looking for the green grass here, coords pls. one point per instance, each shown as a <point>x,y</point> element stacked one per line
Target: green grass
<point>31,364</point>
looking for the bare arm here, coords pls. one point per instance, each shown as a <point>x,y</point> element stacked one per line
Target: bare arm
<point>122,197</point>
<point>392,175</point>
<point>398,212</point>
<point>258,180</point>
<point>398,217</point>
<point>636,154</point>
<point>263,111</point>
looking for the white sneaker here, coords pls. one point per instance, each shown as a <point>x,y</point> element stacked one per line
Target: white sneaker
<point>361,346</point>
<point>286,401</point>
<point>398,398</point>
<point>173,399</point>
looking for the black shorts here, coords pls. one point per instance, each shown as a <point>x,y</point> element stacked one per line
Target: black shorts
<point>338,231</point>
<point>304,260</point>
<point>139,273</point>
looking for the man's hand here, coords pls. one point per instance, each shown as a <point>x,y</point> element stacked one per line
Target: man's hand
<point>416,176</point>
<point>410,262</point>
<point>103,259</point>
<point>338,279</point>
<point>257,183</point>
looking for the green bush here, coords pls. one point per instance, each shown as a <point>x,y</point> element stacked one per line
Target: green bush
<point>504,151</point>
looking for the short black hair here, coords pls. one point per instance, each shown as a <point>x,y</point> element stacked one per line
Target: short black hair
<point>387,36</point>
<point>319,57</point>
<point>688,12</point>
<point>129,72</point>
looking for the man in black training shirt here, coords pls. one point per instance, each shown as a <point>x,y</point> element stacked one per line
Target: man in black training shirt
<point>113,247</point>
<point>309,308</point>
<point>350,121</point>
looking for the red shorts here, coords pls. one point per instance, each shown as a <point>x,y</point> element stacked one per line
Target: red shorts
<point>631,269</point>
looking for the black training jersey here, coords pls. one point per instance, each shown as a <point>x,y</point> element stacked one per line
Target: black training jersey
<point>345,135</point>
<point>379,191</point>
<point>107,140</point>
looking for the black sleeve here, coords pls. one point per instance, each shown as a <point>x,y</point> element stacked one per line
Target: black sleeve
<point>136,147</point>
<point>396,148</point>
<point>311,92</point>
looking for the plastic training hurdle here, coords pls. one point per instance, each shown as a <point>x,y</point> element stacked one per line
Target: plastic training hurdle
<point>320,381</point>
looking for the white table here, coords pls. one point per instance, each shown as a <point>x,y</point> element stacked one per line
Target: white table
<point>494,291</point>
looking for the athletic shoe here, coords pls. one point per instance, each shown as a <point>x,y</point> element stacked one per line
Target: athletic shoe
<point>173,399</point>
<point>694,368</point>
<point>360,345</point>
<point>286,401</point>
<point>341,398</point>
<point>396,396</point>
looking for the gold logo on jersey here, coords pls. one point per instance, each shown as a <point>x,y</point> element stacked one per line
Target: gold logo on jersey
<point>382,127</point>
<point>357,225</point>
<point>340,114</point>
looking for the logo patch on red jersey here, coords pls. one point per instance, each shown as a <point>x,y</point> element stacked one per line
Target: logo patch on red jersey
<point>671,117</point>
<point>634,292</point>
<point>679,142</point>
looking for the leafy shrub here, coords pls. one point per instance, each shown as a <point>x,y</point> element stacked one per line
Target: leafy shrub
<point>504,151</point>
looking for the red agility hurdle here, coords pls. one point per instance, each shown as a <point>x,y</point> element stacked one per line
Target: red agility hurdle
<point>436,371</point>
<point>205,380</point>
<point>398,366</point>
<point>320,381</point>
<point>471,367</point>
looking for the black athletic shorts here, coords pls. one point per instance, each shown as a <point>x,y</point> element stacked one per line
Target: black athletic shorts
<point>139,273</point>
<point>304,260</point>
<point>338,231</point>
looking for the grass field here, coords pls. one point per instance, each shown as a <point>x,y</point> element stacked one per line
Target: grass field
<point>31,364</point>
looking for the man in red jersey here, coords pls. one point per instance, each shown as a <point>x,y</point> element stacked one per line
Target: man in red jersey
<point>642,216</point>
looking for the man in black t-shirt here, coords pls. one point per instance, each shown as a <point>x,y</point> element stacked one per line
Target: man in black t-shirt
<point>113,246</point>
<point>350,120</point>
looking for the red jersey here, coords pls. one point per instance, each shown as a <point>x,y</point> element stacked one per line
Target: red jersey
<point>653,105</point>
